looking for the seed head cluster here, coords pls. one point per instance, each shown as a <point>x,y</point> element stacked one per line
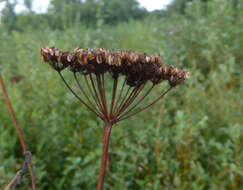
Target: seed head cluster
<point>137,67</point>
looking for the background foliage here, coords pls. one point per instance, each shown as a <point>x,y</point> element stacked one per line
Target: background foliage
<point>192,139</point>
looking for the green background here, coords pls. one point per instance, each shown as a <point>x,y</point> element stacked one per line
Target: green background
<point>192,139</point>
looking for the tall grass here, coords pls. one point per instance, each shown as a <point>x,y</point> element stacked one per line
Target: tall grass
<point>189,141</point>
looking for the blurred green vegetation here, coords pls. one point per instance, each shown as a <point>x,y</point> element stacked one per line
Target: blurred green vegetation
<point>192,139</point>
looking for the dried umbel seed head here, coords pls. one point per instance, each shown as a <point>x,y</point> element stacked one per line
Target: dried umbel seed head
<point>136,67</point>
<point>120,102</point>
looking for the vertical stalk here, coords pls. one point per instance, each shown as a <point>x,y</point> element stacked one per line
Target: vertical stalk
<point>21,137</point>
<point>107,133</point>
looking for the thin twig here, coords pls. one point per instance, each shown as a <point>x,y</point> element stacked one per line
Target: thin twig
<point>20,174</point>
<point>21,137</point>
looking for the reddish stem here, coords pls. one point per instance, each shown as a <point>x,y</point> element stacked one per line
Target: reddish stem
<point>96,93</point>
<point>101,92</point>
<point>21,137</point>
<point>118,99</point>
<point>122,101</point>
<point>107,133</point>
<point>92,94</point>
<point>113,95</point>
<point>67,85</point>
<point>134,96</point>
<point>103,89</point>
<point>86,96</point>
<point>146,94</point>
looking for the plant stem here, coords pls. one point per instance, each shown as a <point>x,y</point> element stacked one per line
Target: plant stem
<point>107,133</point>
<point>20,174</point>
<point>21,137</point>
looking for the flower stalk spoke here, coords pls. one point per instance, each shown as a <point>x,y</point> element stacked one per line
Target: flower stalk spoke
<point>99,84</point>
<point>92,94</point>
<point>123,101</point>
<point>67,85</point>
<point>144,108</point>
<point>134,97</point>
<point>118,99</point>
<point>103,91</point>
<point>138,102</point>
<point>86,96</point>
<point>137,89</point>
<point>96,93</point>
<point>113,95</point>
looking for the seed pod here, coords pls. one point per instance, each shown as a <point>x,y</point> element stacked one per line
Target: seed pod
<point>118,61</point>
<point>91,57</point>
<point>70,57</point>
<point>175,72</point>
<point>142,58</point>
<point>45,55</point>
<point>165,70</point>
<point>51,50</point>
<point>136,58</point>
<point>99,59</point>
<point>130,58</point>
<point>148,59</point>
<point>157,60</point>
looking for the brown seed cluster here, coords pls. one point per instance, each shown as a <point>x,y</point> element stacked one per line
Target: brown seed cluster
<point>137,68</point>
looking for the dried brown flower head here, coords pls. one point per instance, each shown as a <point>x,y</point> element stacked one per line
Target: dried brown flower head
<point>138,68</point>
